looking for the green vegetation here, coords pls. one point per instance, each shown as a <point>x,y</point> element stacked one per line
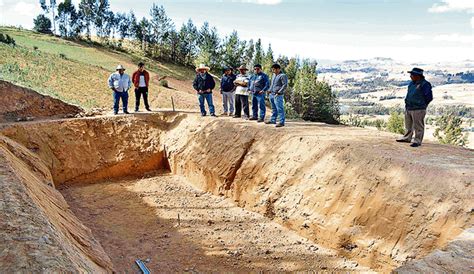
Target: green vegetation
<point>42,24</point>
<point>396,123</point>
<point>449,130</point>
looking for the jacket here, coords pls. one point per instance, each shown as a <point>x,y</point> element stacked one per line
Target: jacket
<point>279,84</point>
<point>259,83</point>
<point>419,95</point>
<point>136,78</point>
<point>227,83</point>
<point>205,84</point>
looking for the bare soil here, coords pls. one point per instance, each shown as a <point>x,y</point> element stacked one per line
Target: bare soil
<point>138,219</point>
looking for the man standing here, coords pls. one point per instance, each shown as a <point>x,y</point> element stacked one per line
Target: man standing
<point>418,97</point>
<point>227,91</point>
<point>259,83</point>
<point>204,84</point>
<point>242,93</point>
<point>141,80</point>
<point>277,94</point>
<point>120,83</point>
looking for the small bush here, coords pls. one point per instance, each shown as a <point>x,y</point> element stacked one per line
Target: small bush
<point>396,123</point>
<point>35,48</point>
<point>62,56</point>
<point>163,83</point>
<point>449,130</point>
<point>7,39</point>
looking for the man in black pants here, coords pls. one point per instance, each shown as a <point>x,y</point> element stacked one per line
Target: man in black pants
<point>242,93</point>
<point>141,79</point>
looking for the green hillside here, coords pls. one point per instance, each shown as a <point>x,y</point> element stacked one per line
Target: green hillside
<point>76,72</point>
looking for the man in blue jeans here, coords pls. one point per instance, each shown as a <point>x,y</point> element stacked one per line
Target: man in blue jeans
<point>120,83</point>
<point>204,84</point>
<point>277,93</point>
<point>259,83</point>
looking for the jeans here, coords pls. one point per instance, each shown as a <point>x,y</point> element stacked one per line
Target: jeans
<point>208,98</point>
<point>228,101</point>
<point>241,103</point>
<point>414,123</point>
<point>278,108</point>
<point>258,102</point>
<point>117,96</point>
<point>138,93</point>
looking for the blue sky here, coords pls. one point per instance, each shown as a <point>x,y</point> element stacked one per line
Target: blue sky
<point>411,30</point>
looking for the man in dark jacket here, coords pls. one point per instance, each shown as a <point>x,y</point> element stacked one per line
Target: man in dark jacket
<point>204,84</point>
<point>227,91</point>
<point>259,84</point>
<point>418,97</point>
<point>141,80</point>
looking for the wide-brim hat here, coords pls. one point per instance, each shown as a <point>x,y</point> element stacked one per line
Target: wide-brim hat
<point>417,71</point>
<point>242,67</point>
<point>120,67</point>
<point>202,66</point>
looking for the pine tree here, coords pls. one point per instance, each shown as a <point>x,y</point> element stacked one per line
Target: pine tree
<point>50,7</point>
<point>68,20</point>
<point>188,47</point>
<point>249,54</point>
<point>268,61</point>
<point>449,130</point>
<point>209,47</point>
<point>87,15</point>
<point>161,28</point>
<point>232,51</point>
<point>259,54</point>
<point>42,24</point>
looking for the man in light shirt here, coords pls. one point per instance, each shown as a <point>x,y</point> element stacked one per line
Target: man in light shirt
<point>242,93</point>
<point>120,83</point>
<point>141,80</point>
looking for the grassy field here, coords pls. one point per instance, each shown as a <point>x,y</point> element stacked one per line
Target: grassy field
<point>77,72</point>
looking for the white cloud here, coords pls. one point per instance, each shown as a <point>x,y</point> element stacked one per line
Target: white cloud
<point>452,5</point>
<point>472,22</point>
<point>1,3</point>
<point>26,9</point>
<point>411,37</point>
<point>455,38</point>
<point>261,2</point>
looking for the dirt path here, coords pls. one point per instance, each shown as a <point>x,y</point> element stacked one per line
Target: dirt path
<point>139,219</point>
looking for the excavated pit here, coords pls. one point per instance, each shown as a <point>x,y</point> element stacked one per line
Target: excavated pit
<point>207,195</point>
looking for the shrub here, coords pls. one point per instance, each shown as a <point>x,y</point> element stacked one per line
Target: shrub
<point>7,39</point>
<point>449,130</point>
<point>396,122</point>
<point>42,24</point>
<point>62,56</point>
<point>35,48</point>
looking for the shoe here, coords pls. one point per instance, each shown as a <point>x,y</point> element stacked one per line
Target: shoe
<point>137,110</point>
<point>203,114</point>
<point>148,109</point>
<point>213,115</point>
<point>280,125</point>
<point>260,121</point>
<point>115,113</point>
<point>270,123</point>
<point>235,116</point>
<point>253,118</point>
<point>224,114</point>
<point>402,141</point>
<point>415,145</point>
<point>126,112</point>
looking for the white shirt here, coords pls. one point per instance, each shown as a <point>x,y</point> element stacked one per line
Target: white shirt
<point>242,90</point>
<point>142,82</point>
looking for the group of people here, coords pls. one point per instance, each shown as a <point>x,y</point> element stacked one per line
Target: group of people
<point>120,83</point>
<point>236,90</point>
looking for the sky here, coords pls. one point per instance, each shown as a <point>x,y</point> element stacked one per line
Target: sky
<point>406,30</point>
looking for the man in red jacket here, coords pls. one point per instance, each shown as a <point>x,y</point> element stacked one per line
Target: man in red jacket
<point>141,79</point>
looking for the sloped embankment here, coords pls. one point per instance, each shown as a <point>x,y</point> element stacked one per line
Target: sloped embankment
<point>375,201</point>
<point>19,103</point>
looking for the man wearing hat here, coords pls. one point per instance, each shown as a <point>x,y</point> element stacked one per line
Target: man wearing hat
<point>259,84</point>
<point>120,83</point>
<point>418,97</point>
<point>204,84</point>
<point>242,93</point>
<point>227,91</point>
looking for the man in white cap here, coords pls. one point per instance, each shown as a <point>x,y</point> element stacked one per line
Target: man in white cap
<point>120,83</point>
<point>204,84</point>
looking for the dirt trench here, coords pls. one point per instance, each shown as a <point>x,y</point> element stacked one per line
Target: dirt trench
<point>249,197</point>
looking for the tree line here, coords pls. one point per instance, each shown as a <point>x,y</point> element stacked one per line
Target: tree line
<point>157,37</point>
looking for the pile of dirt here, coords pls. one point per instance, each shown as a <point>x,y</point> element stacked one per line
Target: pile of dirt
<point>23,104</point>
<point>355,191</point>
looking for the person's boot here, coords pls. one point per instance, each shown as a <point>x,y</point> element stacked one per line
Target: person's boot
<point>402,141</point>
<point>126,112</point>
<point>253,118</point>
<point>260,121</point>
<point>148,109</point>
<point>415,145</point>
<point>280,125</point>
<point>270,123</point>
